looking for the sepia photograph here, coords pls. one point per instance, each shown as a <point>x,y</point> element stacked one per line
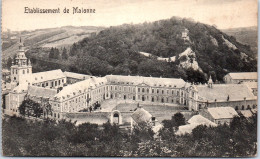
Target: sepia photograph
<point>129,78</point>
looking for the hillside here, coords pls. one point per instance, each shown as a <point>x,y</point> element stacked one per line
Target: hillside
<point>247,35</point>
<point>45,38</point>
<point>194,51</point>
<point>179,48</point>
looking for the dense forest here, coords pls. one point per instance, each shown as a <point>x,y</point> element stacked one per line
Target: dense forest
<point>23,137</point>
<point>115,50</point>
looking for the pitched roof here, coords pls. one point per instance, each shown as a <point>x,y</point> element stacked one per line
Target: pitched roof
<point>198,119</point>
<point>246,113</point>
<point>194,122</point>
<point>243,75</point>
<point>151,81</point>
<point>222,112</point>
<point>251,85</point>
<point>41,92</point>
<point>42,76</point>
<point>80,87</point>
<point>221,92</point>
<point>22,87</point>
<point>76,75</point>
<point>141,115</point>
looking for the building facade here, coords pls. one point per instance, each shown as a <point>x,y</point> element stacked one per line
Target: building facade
<point>240,77</point>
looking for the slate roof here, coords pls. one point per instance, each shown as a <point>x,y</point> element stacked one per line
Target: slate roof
<point>246,113</point>
<point>193,123</point>
<point>141,115</point>
<point>42,76</point>
<point>76,75</point>
<point>41,92</point>
<point>243,75</point>
<point>151,81</point>
<point>23,87</point>
<point>222,91</point>
<point>80,87</point>
<point>198,119</point>
<point>251,85</point>
<point>222,112</point>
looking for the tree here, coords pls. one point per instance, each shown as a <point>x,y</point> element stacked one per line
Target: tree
<point>64,54</point>
<point>51,54</point>
<point>30,108</point>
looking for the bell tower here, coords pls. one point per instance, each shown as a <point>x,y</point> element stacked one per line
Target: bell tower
<point>21,66</point>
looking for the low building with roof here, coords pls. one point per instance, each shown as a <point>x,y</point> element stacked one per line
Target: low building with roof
<point>239,77</point>
<point>193,122</point>
<point>219,115</point>
<point>245,113</point>
<point>142,116</point>
<point>238,96</point>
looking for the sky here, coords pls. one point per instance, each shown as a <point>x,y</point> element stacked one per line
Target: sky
<point>222,13</point>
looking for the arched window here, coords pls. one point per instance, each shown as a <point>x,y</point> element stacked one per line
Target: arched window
<point>152,99</point>
<point>243,107</point>
<point>162,100</point>
<point>143,90</point>
<point>157,91</point>
<point>248,107</point>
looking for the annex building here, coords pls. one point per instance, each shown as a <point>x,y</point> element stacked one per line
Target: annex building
<point>69,92</point>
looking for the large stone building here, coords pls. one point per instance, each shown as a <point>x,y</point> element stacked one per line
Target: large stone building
<point>69,92</point>
<point>238,96</point>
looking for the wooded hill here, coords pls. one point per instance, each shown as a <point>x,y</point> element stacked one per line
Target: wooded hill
<point>176,48</point>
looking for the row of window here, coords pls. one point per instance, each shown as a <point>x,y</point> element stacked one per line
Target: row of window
<point>52,83</point>
<point>145,90</point>
<point>15,71</point>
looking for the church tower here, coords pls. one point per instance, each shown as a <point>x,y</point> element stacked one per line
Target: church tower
<point>21,66</point>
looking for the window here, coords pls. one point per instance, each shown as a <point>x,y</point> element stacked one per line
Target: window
<point>27,70</point>
<point>23,71</point>
<point>42,84</point>
<point>143,90</point>
<point>236,108</point>
<point>55,83</point>
<point>157,91</point>
<point>138,89</point>
<point>147,90</point>
<point>162,91</point>
<point>59,82</point>
<point>243,107</point>
<point>152,90</point>
<point>46,84</point>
